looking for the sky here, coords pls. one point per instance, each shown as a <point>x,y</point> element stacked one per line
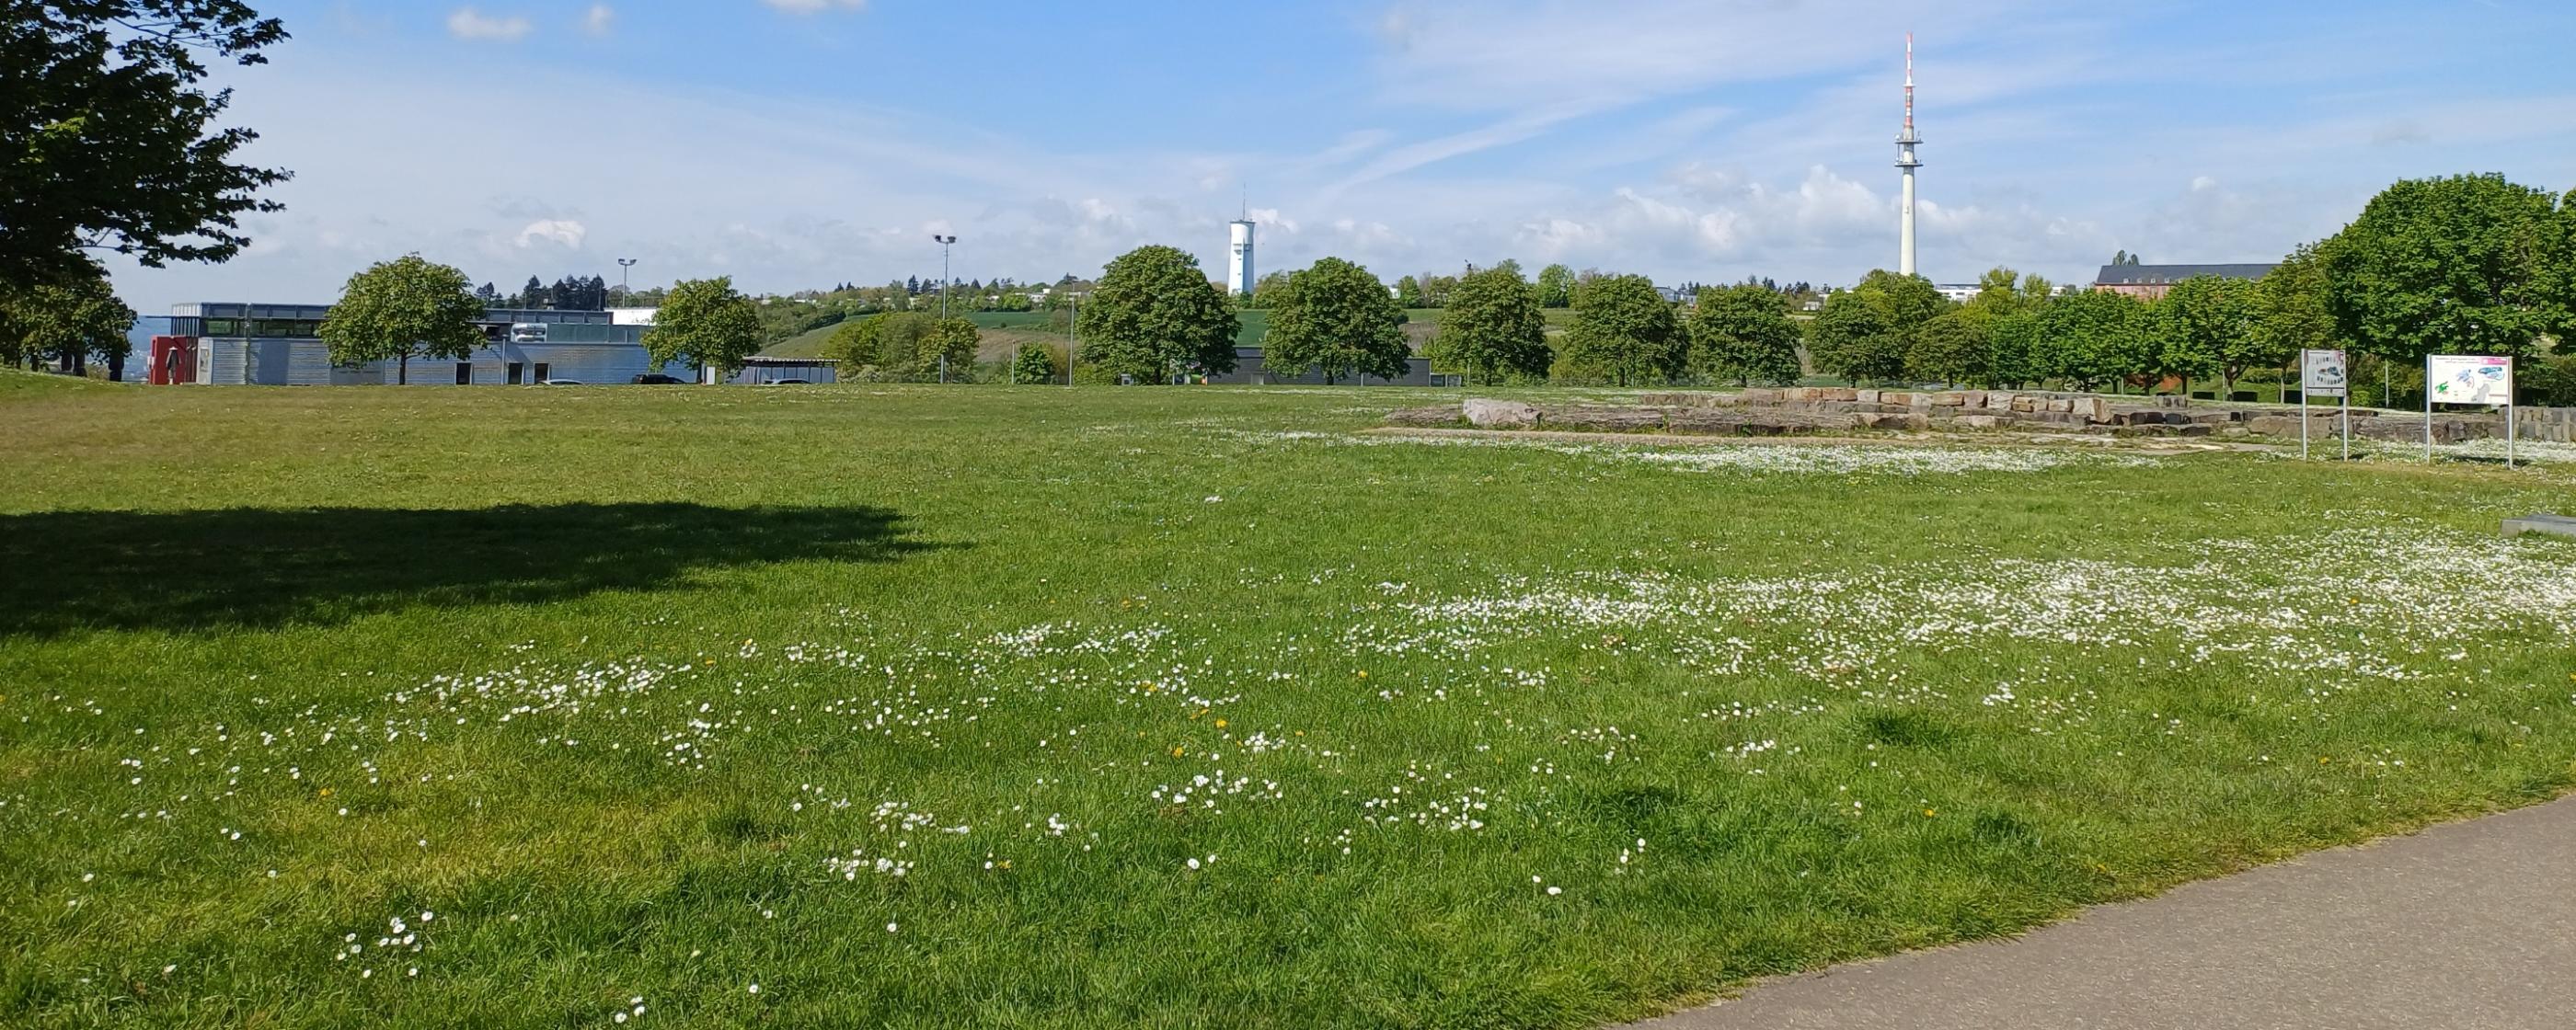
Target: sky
<point>797,144</point>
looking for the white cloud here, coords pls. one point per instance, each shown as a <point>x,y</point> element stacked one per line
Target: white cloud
<point>815,6</point>
<point>598,20</point>
<point>562,232</point>
<point>468,23</point>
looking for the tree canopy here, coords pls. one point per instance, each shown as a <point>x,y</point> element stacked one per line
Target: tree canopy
<point>2204,327</point>
<point>2469,264</point>
<point>1854,339</point>
<point>107,140</point>
<point>1337,318</point>
<point>402,309</point>
<point>66,323</point>
<point>1743,333</point>
<point>1153,312</point>
<point>1493,326</point>
<point>2092,338</point>
<point>1555,286</point>
<point>2289,311</point>
<point>707,322</point>
<point>1626,332</point>
<point>1951,347</point>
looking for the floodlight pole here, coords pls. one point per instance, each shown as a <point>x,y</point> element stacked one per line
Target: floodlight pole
<point>622,265</point>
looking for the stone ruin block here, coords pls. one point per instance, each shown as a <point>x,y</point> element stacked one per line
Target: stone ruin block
<point>1493,414</point>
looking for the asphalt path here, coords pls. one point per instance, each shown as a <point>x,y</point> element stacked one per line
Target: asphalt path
<point>2464,926</point>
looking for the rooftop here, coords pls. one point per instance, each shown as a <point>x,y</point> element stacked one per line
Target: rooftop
<point>2167,275</point>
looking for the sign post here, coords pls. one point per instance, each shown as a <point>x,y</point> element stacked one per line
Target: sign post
<point>2322,373</point>
<point>2469,379</point>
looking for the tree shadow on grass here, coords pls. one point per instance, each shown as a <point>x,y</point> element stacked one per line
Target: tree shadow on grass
<point>69,571</point>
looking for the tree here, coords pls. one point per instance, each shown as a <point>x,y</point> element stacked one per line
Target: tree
<point>1624,330</point>
<point>707,322</point>
<point>1266,292</point>
<point>1337,318</point>
<point>107,140</point>
<point>1493,327</point>
<point>532,295</point>
<point>1853,339</point>
<point>1034,365</point>
<point>856,344</point>
<point>2091,338</point>
<point>1743,333</point>
<point>1408,292</point>
<point>2013,347</point>
<point>68,323</point>
<point>400,309</point>
<point>2471,264</point>
<point>1555,286</point>
<point>953,346</point>
<point>1155,311</point>
<point>1952,347</point>
<point>2204,327</point>
<point>2290,312</point>
<point>1905,301</point>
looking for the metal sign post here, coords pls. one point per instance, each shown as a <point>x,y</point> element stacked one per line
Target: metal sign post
<point>2323,372</point>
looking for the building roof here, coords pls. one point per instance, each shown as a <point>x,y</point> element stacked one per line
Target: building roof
<point>2166,275</point>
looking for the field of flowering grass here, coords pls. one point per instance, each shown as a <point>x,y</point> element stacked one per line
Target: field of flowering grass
<point>1037,707</point>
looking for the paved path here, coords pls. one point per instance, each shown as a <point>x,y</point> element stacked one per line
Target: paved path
<point>2468,926</point>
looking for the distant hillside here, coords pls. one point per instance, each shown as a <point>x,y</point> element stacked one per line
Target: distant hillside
<point>1005,330</point>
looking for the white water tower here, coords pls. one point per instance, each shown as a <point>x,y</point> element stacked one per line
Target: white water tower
<point>1238,273</point>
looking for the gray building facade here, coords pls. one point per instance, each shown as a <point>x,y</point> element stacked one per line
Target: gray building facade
<point>281,345</point>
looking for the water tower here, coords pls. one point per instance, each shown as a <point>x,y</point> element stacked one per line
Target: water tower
<point>1238,271</point>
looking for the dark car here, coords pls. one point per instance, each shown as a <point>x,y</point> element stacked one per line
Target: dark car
<point>658,379</point>
<point>788,382</point>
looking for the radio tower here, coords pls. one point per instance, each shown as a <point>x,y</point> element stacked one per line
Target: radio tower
<point>1906,162</point>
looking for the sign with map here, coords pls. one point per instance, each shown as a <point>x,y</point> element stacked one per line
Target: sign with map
<point>2321,373</point>
<point>2468,379</point>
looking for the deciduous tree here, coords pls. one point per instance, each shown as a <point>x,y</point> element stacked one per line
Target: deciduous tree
<point>2470,264</point>
<point>1155,312</point>
<point>1952,347</point>
<point>1493,327</point>
<point>1337,318</point>
<point>401,309</point>
<point>2204,327</point>
<point>708,323</point>
<point>1555,286</point>
<point>1853,339</point>
<point>2091,338</point>
<point>67,324</point>
<point>108,139</point>
<point>1743,333</point>
<point>1625,331</point>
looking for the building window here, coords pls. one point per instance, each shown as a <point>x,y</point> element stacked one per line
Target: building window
<point>464,373</point>
<point>513,374</point>
<point>223,327</point>
<point>541,372</point>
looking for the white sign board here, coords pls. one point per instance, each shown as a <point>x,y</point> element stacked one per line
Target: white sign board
<point>2321,373</point>
<point>2468,379</point>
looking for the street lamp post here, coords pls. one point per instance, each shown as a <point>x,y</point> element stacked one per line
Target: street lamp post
<point>944,242</point>
<point>622,265</point>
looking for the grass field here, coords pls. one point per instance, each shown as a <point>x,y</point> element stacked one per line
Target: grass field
<point>1168,707</point>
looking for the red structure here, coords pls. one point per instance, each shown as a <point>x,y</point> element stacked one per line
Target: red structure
<point>174,360</point>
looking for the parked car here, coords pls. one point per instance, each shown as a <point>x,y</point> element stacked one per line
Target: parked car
<point>658,379</point>
<point>561,382</point>
<point>787,382</point>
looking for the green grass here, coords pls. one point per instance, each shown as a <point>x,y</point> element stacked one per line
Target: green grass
<point>609,680</point>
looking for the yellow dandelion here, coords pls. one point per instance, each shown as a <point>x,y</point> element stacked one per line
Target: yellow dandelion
<point>1220,724</point>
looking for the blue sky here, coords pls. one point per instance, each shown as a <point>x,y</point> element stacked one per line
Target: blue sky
<point>800,143</point>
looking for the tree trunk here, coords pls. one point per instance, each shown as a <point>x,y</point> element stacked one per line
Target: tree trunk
<point>402,370</point>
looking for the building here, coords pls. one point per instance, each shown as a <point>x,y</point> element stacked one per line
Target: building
<point>1249,370</point>
<point>1958,293</point>
<point>2152,282</point>
<point>761,370</point>
<point>1238,269</point>
<point>281,345</point>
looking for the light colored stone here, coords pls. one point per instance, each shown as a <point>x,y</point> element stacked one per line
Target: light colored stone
<point>1492,414</point>
<point>1979,422</point>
